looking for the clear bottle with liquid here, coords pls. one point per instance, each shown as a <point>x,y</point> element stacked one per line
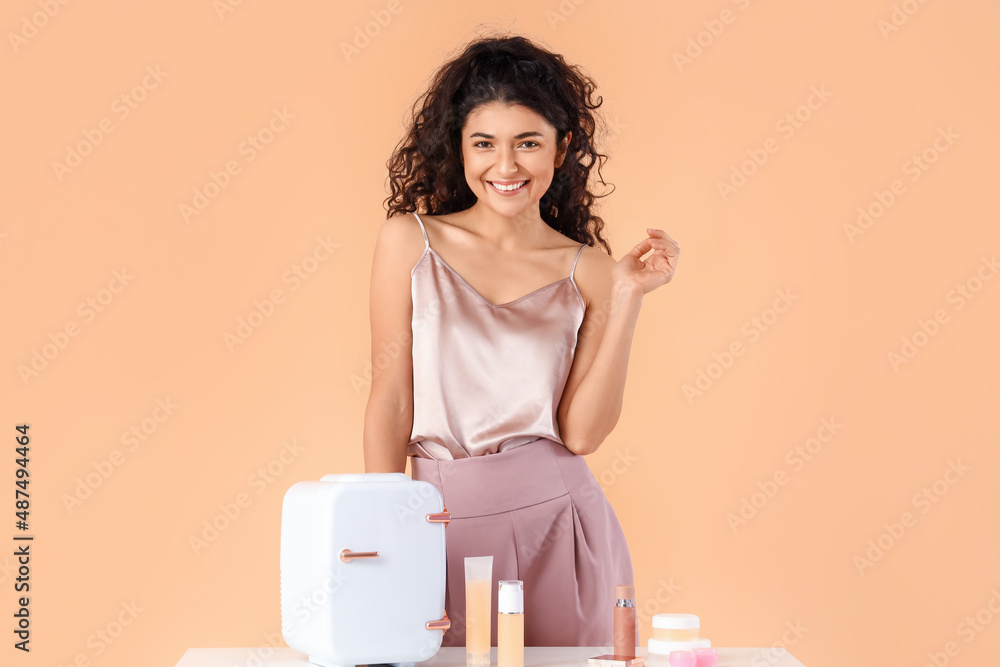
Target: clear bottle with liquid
<point>478,601</point>
<point>510,624</point>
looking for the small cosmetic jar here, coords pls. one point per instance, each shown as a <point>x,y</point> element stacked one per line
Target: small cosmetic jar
<point>682,659</point>
<point>676,627</point>
<point>705,657</point>
<point>699,657</point>
<point>676,632</point>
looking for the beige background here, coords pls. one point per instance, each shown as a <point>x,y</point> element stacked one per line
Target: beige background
<point>899,80</point>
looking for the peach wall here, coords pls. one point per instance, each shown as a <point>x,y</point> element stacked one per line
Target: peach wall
<point>829,487</point>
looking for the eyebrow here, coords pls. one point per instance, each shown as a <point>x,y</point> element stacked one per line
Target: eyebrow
<point>523,135</point>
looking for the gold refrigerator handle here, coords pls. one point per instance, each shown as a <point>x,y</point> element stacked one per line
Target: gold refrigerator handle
<point>440,517</point>
<point>347,555</point>
<point>442,624</point>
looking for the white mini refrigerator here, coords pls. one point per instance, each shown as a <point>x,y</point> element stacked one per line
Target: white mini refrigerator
<point>363,569</point>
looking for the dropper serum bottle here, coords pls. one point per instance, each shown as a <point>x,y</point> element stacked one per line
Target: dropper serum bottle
<point>510,624</point>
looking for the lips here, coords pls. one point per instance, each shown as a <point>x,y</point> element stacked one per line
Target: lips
<point>493,184</point>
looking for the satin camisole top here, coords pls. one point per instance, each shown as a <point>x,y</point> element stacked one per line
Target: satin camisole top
<point>487,378</point>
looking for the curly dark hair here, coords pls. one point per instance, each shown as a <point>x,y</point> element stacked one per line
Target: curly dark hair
<point>426,170</point>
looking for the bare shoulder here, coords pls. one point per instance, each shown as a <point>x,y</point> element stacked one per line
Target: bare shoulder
<point>401,225</point>
<point>400,239</point>
<point>593,275</point>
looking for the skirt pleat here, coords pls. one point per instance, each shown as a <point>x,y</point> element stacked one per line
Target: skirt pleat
<point>542,515</point>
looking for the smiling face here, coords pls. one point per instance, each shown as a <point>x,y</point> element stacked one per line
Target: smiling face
<point>510,156</point>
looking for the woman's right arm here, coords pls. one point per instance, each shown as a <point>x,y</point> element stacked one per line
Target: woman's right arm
<point>389,414</point>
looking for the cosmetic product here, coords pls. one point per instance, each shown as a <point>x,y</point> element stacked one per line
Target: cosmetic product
<point>705,657</point>
<point>625,621</point>
<point>682,659</point>
<point>624,633</point>
<point>676,632</point>
<point>510,624</point>
<point>478,612</point>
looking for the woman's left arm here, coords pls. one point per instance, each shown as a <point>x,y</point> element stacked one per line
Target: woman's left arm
<point>592,399</point>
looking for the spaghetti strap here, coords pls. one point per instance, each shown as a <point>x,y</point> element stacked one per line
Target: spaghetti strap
<point>427,243</point>
<point>573,270</point>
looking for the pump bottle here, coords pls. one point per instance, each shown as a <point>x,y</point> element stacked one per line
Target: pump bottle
<point>510,624</point>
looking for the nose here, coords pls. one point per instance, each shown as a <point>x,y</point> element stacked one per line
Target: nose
<point>506,161</point>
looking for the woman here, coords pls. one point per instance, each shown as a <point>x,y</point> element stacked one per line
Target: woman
<point>508,333</point>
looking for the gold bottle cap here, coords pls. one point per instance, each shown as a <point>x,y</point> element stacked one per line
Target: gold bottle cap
<point>624,592</point>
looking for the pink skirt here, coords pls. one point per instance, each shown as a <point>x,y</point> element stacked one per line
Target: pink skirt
<point>539,511</point>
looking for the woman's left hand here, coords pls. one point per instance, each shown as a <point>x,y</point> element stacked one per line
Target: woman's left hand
<point>657,269</point>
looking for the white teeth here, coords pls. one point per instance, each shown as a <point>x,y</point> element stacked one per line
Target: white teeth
<point>507,188</point>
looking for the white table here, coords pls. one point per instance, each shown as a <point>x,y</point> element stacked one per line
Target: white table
<point>454,656</point>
